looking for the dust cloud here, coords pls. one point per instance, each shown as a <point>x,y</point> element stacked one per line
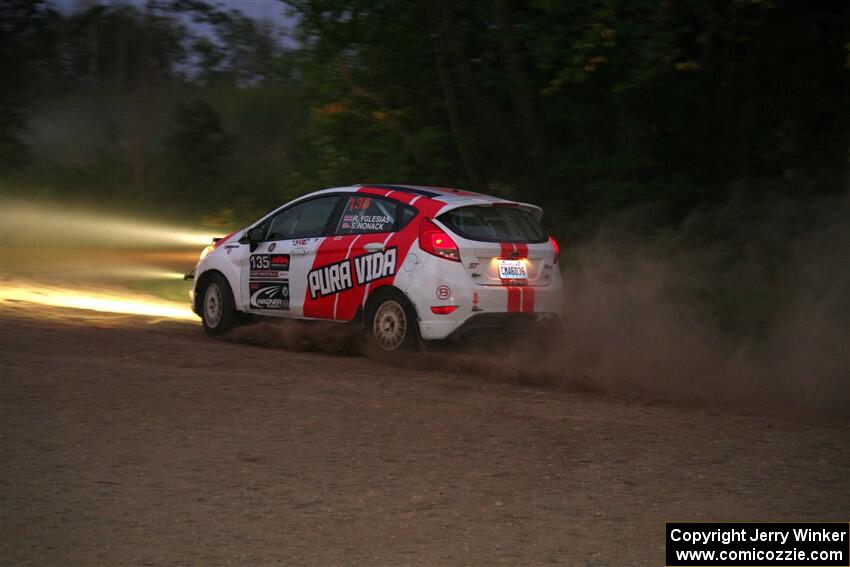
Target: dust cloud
<point>747,307</point>
<point>302,336</point>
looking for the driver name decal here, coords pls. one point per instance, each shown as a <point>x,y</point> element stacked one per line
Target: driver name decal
<point>378,223</point>
<point>360,270</point>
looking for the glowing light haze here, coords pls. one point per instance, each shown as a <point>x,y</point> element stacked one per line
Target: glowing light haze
<point>109,302</point>
<point>94,260</point>
<point>27,222</point>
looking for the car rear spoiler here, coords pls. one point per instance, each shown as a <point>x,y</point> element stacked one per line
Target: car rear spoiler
<point>533,210</point>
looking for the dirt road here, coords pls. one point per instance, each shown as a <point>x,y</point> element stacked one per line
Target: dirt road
<point>128,442</point>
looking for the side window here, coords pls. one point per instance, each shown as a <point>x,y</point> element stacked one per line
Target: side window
<point>407,215</point>
<point>365,214</point>
<point>306,220</point>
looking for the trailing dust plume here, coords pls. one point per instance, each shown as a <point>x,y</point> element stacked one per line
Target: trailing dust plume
<point>758,317</point>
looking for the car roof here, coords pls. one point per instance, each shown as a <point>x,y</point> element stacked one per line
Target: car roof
<point>452,197</point>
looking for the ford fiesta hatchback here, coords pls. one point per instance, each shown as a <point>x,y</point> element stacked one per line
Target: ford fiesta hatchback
<point>411,263</point>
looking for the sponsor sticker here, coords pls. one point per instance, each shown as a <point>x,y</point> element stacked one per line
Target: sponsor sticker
<point>279,261</point>
<point>269,294</point>
<point>344,275</point>
<point>268,265</point>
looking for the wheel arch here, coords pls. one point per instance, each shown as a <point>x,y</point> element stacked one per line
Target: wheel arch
<point>376,293</point>
<point>201,285</point>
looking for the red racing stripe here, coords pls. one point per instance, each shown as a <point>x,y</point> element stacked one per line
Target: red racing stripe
<point>507,250</point>
<point>402,241</point>
<point>330,251</point>
<point>514,304</point>
<point>374,191</point>
<point>514,298</point>
<point>522,249</point>
<point>343,306</point>
<point>528,299</point>
<point>527,290</point>
<point>349,300</point>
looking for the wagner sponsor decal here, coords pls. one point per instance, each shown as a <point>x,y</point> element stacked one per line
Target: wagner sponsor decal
<point>269,295</point>
<point>269,265</point>
<point>344,275</point>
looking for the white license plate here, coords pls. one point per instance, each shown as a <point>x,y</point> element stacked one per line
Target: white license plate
<point>512,270</point>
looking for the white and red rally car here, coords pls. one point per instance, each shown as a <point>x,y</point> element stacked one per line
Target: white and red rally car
<point>412,263</point>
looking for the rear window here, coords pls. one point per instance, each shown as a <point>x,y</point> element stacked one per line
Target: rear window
<point>494,224</point>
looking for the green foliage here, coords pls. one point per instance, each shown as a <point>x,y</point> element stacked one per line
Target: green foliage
<point>586,108</point>
<point>197,146</point>
<point>688,118</point>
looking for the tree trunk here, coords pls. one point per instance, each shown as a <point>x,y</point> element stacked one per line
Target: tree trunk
<point>142,106</point>
<point>442,21</point>
<point>512,61</point>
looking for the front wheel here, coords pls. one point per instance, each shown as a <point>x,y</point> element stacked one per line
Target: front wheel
<point>218,312</point>
<point>392,322</point>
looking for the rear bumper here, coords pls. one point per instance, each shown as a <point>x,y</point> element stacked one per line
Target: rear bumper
<point>511,309</point>
<point>506,324</point>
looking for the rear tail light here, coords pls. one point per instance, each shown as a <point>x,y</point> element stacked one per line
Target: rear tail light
<point>557,250</point>
<point>434,240</point>
<point>443,309</point>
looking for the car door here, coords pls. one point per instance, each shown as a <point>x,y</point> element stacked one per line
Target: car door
<point>354,256</point>
<point>274,274</point>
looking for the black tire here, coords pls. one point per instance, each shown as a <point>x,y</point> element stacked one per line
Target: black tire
<point>218,310</point>
<point>391,322</point>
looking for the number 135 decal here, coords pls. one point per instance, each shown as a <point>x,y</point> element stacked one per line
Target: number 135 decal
<point>260,262</point>
<point>360,203</point>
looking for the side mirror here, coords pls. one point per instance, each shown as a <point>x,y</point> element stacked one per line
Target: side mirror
<point>254,235</point>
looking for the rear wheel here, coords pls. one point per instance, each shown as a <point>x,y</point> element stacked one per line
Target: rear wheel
<point>218,310</point>
<point>392,322</point>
